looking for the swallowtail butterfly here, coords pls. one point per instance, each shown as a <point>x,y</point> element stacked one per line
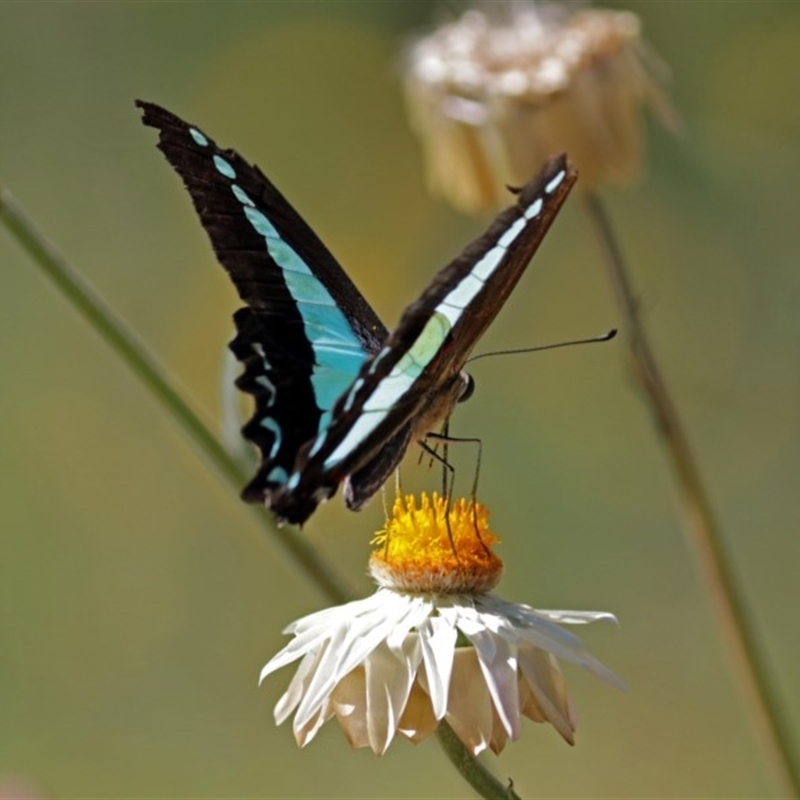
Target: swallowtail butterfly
<point>339,398</point>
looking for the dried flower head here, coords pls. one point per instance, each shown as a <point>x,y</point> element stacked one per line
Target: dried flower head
<point>492,98</point>
<point>402,660</point>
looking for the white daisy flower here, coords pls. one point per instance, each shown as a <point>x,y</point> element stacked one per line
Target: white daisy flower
<point>433,643</point>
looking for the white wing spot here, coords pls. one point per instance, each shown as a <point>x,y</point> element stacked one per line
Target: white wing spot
<point>512,233</point>
<point>555,183</point>
<point>487,265</point>
<point>533,209</point>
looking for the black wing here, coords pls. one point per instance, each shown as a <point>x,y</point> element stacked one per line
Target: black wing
<point>306,330</point>
<point>415,378</point>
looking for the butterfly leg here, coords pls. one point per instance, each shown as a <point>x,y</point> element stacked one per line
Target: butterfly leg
<point>433,456</point>
<point>446,467</point>
<point>445,438</point>
<point>448,470</point>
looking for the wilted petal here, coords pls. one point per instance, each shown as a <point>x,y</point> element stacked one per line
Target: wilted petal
<point>389,683</point>
<point>418,719</point>
<point>499,735</point>
<point>470,710</point>
<point>350,706</point>
<point>527,701</point>
<point>543,678</point>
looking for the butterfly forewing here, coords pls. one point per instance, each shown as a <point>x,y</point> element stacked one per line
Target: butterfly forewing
<point>470,291</point>
<point>416,374</point>
<point>306,330</point>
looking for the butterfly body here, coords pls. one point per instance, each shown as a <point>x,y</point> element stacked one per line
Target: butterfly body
<point>339,398</point>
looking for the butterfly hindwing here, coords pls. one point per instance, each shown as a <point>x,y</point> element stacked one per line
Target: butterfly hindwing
<point>306,330</point>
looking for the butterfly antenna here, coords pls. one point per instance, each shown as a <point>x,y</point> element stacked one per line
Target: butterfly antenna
<point>604,337</point>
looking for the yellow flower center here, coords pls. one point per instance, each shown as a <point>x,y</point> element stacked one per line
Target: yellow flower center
<point>428,548</point>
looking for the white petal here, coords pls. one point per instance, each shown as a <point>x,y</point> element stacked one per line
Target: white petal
<point>418,610</point>
<point>297,688</point>
<point>471,623</point>
<point>297,648</point>
<point>449,610</point>
<point>543,633</point>
<point>575,652</point>
<point>577,617</point>
<point>373,628</point>
<point>349,646</point>
<point>498,660</point>
<point>523,612</point>
<point>322,619</point>
<point>438,639</point>
<point>313,630</point>
<point>536,629</point>
<point>322,681</point>
<point>305,733</point>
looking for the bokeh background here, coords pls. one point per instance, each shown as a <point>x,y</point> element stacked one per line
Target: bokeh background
<point>138,596</point>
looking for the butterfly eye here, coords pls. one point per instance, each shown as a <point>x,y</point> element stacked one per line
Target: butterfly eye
<point>469,387</point>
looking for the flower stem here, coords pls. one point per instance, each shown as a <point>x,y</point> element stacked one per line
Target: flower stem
<point>146,367</point>
<point>705,538</point>
<point>481,780</point>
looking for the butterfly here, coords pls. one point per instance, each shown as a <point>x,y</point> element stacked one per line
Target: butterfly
<point>339,398</point>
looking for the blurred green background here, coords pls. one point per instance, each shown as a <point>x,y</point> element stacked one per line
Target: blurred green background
<point>138,597</point>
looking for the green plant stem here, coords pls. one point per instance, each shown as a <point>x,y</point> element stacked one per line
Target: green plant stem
<point>481,780</point>
<point>705,539</point>
<point>145,366</point>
